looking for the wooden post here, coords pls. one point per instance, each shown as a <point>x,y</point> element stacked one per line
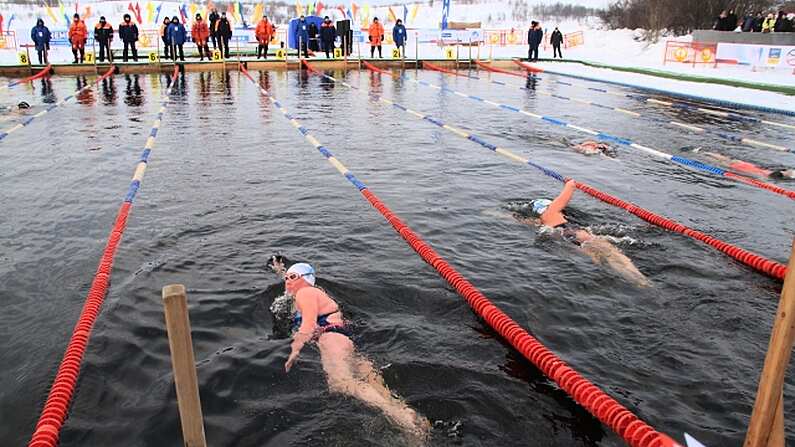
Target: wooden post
<point>766,428</point>
<point>175,303</point>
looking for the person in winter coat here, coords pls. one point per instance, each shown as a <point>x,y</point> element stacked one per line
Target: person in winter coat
<point>164,37</point>
<point>302,36</point>
<point>312,31</point>
<point>40,35</point>
<point>103,34</point>
<point>327,35</point>
<point>223,32</point>
<point>783,25</point>
<point>756,25</point>
<point>213,19</point>
<point>534,38</point>
<point>78,35</point>
<point>177,36</point>
<point>128,33</point>
<point>264,34</point>
<point>376,36</point>
<point>556,39</point>
<point>399,36</point>
<point>200,33</point>
<point>769,24</point>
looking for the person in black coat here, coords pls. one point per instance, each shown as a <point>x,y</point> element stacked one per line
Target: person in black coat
<point>556,39</point>
<point>534,38</point>
<point>213,18</point>
<point>783,25</point>
<point>128,33</point>
<point>327,35</point>
<point>103,34</point>
<point>759,19</point>
<point>223,32</point>
<point>312,30</point>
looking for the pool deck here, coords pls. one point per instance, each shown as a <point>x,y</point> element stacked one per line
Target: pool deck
<point>231,64</point>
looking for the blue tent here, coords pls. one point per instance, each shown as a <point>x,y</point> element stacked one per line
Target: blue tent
<point>292,42</point>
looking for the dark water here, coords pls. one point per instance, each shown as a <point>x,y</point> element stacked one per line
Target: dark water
<point>230,182</point>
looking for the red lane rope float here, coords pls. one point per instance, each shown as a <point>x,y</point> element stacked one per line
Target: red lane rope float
<point>438,68</point>
<point>764,265</point>
<point>48,428</point>
<point>611,413</point>
<point>38,75</point>
<point>498,70</point>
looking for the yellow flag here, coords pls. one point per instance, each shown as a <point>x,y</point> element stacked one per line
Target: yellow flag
<point>257,14</point>
<point>193,8</point>
<point>52,15</point>
<point>299,10</point>
<point>414,10</point>
<point>150,12</point>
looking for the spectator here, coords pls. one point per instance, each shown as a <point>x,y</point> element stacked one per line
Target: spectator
<point>177,36</point>
<point>312,31</point>
<point>783,25</point>
<point>264,34</point>
<point>769,24</point>
<point>40,35</point>
<point>128,33</point>
<point>200,33</point>
<point>399,36</point>
<point>758,20</point>
<point>556,40</point>
<point>302,37</point>
<point>78,35</point>
<point>103,34</point>
<point>534,38</point>
<point>731,20</point>
<point>223,31</point>
<point>213,18</point>
<point>164,37</point>
<point>376,36</point>
<point>327,35</point>
<point>722,23</point>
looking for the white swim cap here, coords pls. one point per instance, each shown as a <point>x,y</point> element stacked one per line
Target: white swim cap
<point>305,270</point>
<point>540,205</point>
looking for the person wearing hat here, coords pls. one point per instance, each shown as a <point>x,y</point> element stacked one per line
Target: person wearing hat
<point>213,19</point>
<point>177,37</point>
<point>164,37</point>
<point>103,34</point>
<point>318,318</point>
<point>40,35</point>
<point>128,33</point>
<point>302,37</point>
<point>550,214</point>
<point>223,32</point>
<point>264,34</point>
<point>327,35</point>
<point>399,36</point>
<point>78,35</point>
<point>376,36</point>
<point>200,32</point>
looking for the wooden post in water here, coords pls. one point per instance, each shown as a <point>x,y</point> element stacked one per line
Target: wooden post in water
<point>766,428</point>
<point>175,303</point>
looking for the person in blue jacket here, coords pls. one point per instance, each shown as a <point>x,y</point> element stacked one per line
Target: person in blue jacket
<point>177,37</point>
<point>534,38</point>
<point>399,36</point>
<point>40,35</point>
<point>302,36</point>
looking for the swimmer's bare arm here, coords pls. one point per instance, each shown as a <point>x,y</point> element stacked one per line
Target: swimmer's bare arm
<point>307,305</point>
<point>563,198</point>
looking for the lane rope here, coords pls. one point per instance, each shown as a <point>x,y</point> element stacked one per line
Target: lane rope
<point>708,100</point>
<point>750,259</point>
<point>38,75</point>
<point>25,122</point>
<point>730,136</point>
<point>611,413</point>
<point>612,138</point>
<point>56,407</point>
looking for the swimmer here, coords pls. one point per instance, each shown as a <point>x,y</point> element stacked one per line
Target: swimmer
<point>21,106</point>
<point>745,167</point>
<point>550,214</point>
<point>591,147</point>
<point>319,319</point>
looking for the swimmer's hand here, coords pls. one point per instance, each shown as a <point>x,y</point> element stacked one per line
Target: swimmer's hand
<point>291,360</point>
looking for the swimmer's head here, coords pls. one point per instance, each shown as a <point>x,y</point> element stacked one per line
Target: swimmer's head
<point>538,206</point>
<point>783,174</point>
<point>298,276</point>
<point>609,151</point>
<point>23,105</point>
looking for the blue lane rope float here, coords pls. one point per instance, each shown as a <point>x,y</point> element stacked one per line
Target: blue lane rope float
<point>719,102</point>
<point>56,408</point>
<point>605,136</point>
<point>611,413</point>
<point>734,137</point>
<point>25,122</point>
<point>764,265</point>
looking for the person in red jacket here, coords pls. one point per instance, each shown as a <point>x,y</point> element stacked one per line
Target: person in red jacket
<point>200,33</point>
<point>376,32</point>
<point>78,34</point>
<point>264,34</point>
